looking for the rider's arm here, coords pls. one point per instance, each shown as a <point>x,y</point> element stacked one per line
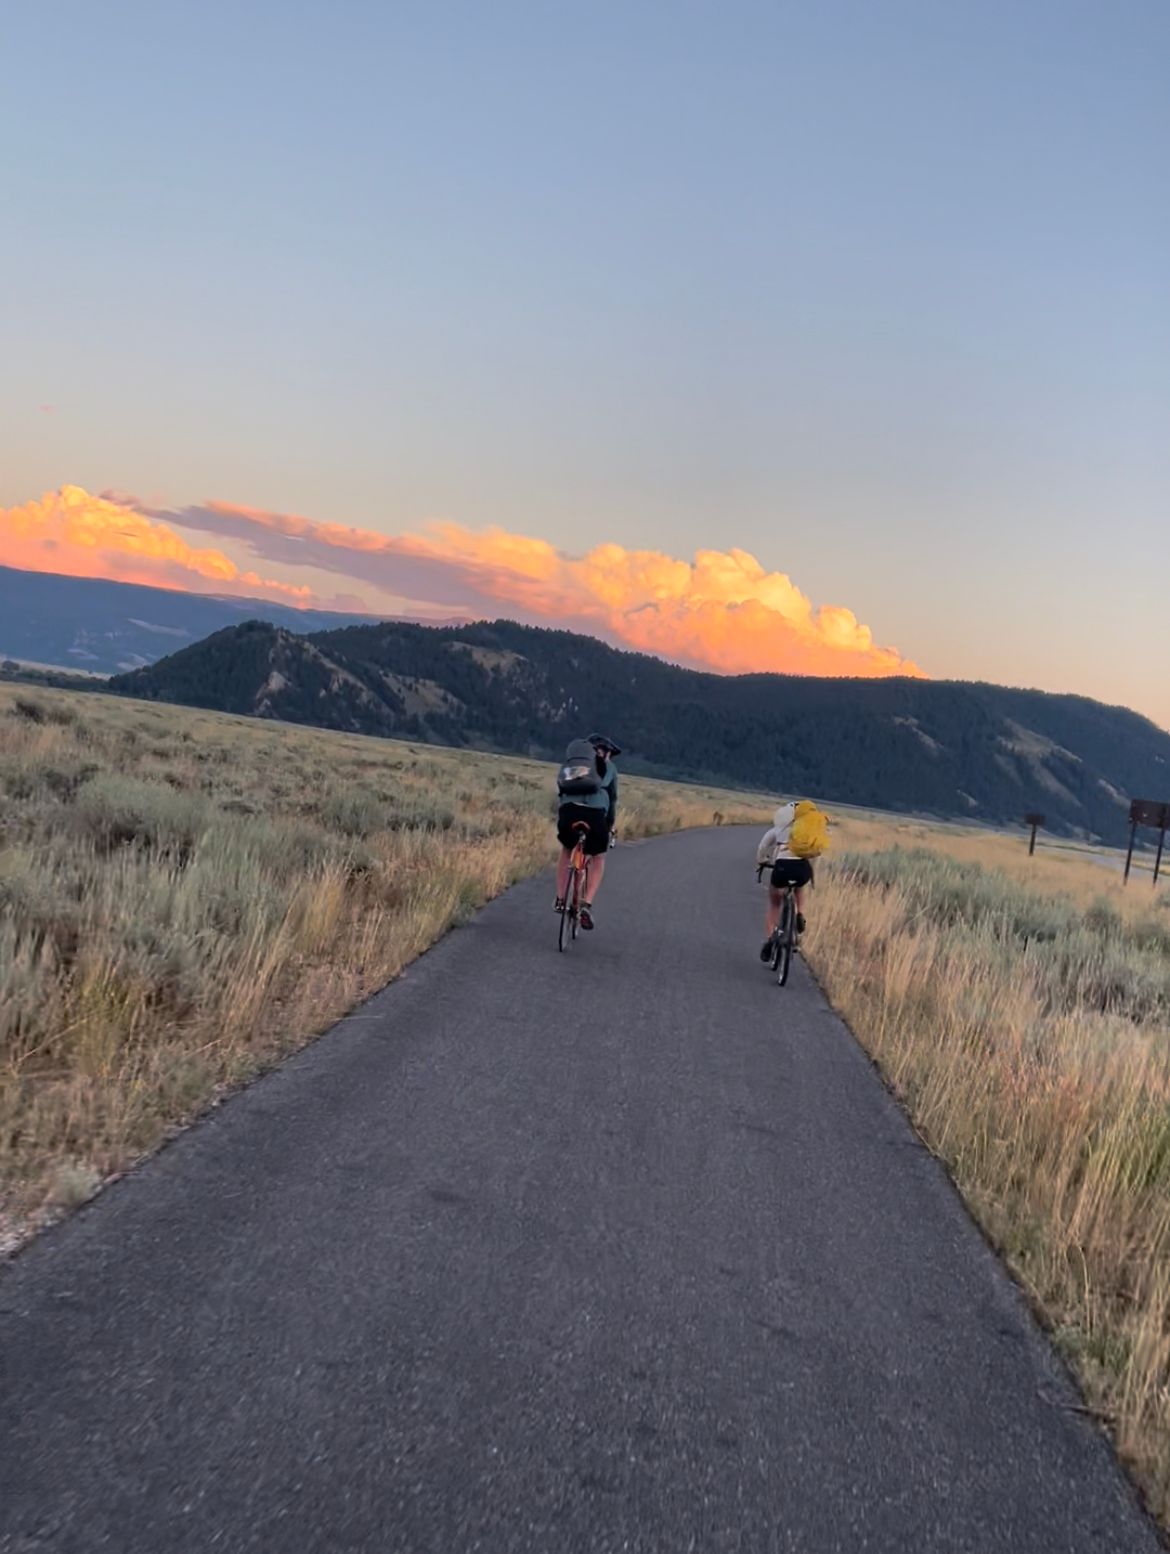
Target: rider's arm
<point>767,842</point>
<point>611,787</point>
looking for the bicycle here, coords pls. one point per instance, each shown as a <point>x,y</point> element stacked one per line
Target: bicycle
<point>574,888</point>
<point>784,936</point>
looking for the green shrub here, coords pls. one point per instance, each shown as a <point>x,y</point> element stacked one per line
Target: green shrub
<point>1151,933</point>
<point>1103,917</point>
<point>353,812</point>
<point>113,811</point>
<point>420,810</point>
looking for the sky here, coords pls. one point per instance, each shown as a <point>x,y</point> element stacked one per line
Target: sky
<point>831,338</point>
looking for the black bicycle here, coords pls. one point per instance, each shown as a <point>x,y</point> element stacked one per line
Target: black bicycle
<point>784,937</point>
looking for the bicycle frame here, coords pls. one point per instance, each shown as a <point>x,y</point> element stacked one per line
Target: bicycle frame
<point>574,886</point>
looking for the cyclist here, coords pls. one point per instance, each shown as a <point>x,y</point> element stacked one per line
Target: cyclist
<point>589,795</point>
<point>787,869</point>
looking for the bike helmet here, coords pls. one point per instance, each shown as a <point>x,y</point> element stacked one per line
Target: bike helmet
<point>601,742</point>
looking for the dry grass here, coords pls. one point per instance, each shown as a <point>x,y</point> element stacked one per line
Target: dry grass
<point>1021,1008</point>
<point>1059,867</point>
<point>186,896</point>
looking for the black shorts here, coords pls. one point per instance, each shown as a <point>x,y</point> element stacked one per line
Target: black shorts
<point>597,837</point>
<point>791,871</point>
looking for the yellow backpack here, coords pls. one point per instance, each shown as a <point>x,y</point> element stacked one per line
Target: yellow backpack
<point>810,831</point>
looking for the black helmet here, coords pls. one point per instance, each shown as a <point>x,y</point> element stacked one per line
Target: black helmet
<point>601,742</point>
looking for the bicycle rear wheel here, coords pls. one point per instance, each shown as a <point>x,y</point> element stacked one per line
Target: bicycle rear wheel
<point>572,896</point>
<point>785,936</point>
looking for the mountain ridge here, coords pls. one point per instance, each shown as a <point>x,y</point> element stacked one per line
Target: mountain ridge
<point>954,748</point>
<point>96,625</point>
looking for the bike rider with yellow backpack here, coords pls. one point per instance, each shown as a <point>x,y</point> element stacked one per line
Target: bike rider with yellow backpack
<point>799,833</point>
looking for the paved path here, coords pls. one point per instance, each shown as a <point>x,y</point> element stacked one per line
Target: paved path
<point>621,1251</point>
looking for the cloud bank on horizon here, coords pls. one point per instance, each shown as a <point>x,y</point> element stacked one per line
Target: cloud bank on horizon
<point>721,611</point>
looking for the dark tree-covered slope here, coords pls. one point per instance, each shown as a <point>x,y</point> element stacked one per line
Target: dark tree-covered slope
<point>980,751</point>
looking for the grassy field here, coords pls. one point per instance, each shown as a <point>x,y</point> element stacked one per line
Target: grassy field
<point>1021,1009</point>
<point>186,896</point>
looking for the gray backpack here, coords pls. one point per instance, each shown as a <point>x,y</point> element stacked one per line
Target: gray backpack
<point>577,776</point>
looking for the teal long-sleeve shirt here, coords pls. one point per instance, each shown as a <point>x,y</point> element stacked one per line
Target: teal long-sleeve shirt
<point>605,797</point>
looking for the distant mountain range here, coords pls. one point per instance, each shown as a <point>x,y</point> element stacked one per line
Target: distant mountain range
<point>974,751</point>
<point>88,624</point>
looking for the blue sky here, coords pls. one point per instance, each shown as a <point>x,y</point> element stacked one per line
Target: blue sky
<point>879,292</point>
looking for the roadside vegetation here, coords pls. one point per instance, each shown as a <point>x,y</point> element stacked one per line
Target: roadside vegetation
<point>1021,1009</point>
<point>185,896</point>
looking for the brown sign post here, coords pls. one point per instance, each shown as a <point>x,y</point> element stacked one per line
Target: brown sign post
<point>1033,819</point>
<point>1148,812</point>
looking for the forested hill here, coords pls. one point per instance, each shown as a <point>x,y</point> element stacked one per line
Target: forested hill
<point>947,748</point>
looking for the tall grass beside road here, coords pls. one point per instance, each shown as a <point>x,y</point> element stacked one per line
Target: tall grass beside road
<point>1059,866</point>
<point>186,896</point>
<point>1024,1018</point>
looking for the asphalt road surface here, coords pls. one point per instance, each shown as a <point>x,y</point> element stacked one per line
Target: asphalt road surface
<point>622,1250</point>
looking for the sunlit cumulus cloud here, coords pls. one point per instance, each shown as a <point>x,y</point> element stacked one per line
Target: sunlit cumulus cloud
<point>73,532</point>
<point>721,611</point>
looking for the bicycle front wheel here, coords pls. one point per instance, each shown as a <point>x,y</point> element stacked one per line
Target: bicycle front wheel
<point>567,928</point>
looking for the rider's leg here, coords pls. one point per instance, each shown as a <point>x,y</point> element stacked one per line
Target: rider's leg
<point>593,877</point>
<point>800,922</point>
<point>562,873</point>
<point>771,918</point>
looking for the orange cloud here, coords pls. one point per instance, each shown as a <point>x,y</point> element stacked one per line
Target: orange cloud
<point>81,535</point>
<point>722,611</point>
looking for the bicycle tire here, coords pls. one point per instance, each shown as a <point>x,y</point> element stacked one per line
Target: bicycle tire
<point>572,899</point>
<point>786,935</point>
<point>774,958</point>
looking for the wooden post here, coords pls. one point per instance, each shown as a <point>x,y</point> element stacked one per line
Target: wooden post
<point>1034,820</point>
<point>1148,812</point>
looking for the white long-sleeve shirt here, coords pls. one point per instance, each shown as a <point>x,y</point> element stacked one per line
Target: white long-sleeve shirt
<point>774,842</point>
